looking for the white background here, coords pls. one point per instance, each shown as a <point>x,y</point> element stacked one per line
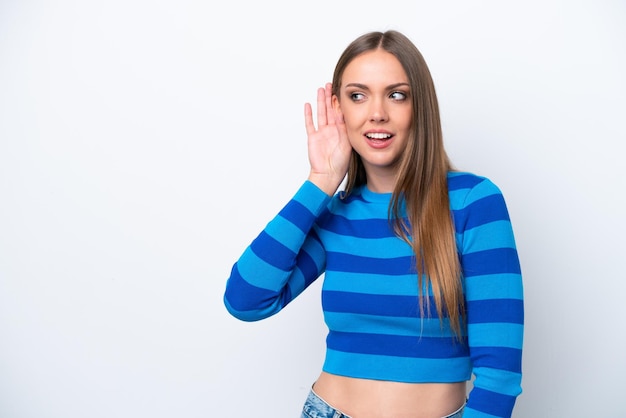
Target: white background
<point>143,144</point>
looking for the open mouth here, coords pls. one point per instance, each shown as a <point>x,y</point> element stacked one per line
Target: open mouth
<point>378,136</point>
<point>378,140</point>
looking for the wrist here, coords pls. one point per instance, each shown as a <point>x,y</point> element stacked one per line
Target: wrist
<point>326,182</point>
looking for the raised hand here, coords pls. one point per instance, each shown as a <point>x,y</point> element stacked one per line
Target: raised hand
<point>328,145</point>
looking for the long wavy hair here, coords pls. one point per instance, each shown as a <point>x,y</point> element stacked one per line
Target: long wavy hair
<point>422,180</point>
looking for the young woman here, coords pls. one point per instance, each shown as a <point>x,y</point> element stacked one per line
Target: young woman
<point>422,285</point>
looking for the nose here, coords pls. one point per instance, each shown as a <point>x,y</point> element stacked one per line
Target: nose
<point>378,113</point>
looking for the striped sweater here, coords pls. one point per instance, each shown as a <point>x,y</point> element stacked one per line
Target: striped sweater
<point>369,293</point>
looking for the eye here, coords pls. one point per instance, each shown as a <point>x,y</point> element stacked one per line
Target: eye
<point>398,96</point>
<point>356,97</point>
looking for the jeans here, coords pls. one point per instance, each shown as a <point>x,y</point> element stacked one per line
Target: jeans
<point>316,407</point>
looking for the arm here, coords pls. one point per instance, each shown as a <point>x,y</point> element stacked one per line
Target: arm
<point>282,261</point>
<point>287,256</point>
<point>494,297</point>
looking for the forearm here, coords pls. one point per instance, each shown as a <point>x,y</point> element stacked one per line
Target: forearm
<point>281,261</point>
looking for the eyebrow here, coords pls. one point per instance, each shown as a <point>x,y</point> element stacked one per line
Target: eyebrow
<point>389,87</point>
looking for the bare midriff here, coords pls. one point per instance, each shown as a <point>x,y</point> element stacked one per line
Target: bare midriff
<point>364,398</point>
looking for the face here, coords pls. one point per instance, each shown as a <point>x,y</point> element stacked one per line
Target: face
<point>374,100</point>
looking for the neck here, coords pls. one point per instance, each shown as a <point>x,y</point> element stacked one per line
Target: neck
<point>381,183</point>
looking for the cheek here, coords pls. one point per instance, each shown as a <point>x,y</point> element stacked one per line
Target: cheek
<point>353,129</point>
<point>354,133</point>
<point>408,116</point>
<point>350,123</point>
<point>353,118</point>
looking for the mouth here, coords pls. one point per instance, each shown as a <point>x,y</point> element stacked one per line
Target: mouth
<point>378,140</point>
<point>378,136</point>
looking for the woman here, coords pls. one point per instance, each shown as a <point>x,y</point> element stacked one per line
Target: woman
<point>422,284</point>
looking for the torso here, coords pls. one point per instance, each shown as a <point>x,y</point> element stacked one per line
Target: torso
<point>370,300</point>
<point>373,317</point>
<point>364,398</point>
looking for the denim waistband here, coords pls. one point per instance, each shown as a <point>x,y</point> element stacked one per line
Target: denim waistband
<point>316,407</point>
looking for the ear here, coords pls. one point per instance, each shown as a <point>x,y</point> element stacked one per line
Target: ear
<point>336,105</point>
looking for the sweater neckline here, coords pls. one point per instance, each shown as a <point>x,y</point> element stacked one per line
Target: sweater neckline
<point>374,197</point>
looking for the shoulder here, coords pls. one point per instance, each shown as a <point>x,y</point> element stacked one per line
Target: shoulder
<point>465,188</point>
<point>343,199</point>
<point>464,180</point>
<point>475,200</point>
<point>337,204</point>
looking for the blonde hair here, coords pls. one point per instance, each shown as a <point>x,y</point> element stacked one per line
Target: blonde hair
<point>422,180</point>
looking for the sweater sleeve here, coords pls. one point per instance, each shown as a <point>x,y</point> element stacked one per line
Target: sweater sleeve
<point>494,298</point>
<point>282,261</point>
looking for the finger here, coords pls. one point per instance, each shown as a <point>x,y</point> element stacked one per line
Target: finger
<point>308,119</point>
<point>328,95</point>
<point>322,118</point>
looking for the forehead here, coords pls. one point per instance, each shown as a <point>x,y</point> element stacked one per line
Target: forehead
<point>374,67</point>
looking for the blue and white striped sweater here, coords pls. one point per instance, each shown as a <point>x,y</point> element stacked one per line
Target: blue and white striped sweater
<point>369,293</point>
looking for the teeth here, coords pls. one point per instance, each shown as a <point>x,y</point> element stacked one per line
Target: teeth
<point>378,136</point>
